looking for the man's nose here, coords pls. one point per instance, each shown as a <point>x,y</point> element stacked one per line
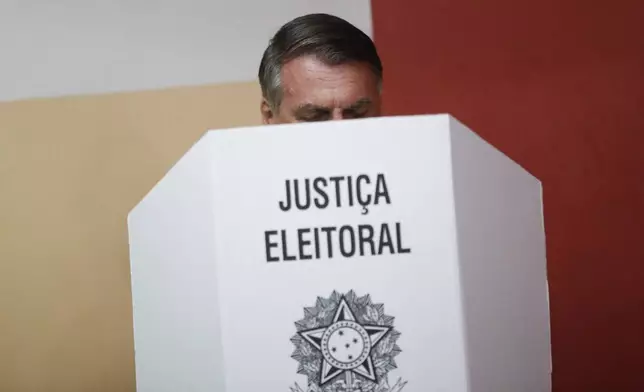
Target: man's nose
<point>337,114</point>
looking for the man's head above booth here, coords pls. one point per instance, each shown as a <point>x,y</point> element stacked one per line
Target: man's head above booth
<point>319,67</point>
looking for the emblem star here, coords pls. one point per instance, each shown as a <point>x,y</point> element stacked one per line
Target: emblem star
<point>346,345</point>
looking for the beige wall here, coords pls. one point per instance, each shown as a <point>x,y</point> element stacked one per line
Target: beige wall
<point>70,170</point>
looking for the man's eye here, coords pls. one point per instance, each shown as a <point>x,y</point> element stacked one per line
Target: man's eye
<point>354,114</point>
<point>313,117</point>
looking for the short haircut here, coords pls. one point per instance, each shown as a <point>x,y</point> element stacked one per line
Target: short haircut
<point>332,40</point>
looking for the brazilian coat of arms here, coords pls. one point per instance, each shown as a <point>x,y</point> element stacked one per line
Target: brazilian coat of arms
<point>346,343</point>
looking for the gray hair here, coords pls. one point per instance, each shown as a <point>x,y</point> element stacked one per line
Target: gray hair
<point>332,40</point>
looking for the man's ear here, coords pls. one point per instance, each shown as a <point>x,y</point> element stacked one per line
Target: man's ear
<point>268,116</point>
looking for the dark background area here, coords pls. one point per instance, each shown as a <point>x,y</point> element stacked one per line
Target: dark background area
<point>559,87</point>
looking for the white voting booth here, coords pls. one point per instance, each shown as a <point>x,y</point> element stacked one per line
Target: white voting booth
<point>387,254</point>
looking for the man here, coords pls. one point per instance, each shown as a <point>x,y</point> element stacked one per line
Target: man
<point>319,67</point>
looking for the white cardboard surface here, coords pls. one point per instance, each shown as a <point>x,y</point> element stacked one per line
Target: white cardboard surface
<point>467,301</point>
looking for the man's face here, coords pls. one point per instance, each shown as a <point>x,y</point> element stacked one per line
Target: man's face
<point>313,91</point>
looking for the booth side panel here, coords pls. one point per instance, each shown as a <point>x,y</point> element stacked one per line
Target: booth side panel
<point>176,316</point>
<point>503,267</point>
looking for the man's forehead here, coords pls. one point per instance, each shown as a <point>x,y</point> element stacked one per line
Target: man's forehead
<point>309,69</point>
<point>312,82</point>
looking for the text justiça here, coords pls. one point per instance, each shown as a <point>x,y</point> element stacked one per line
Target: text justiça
<point>342,241</point>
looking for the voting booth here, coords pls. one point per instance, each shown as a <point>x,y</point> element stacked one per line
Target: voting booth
<point>385,254</point>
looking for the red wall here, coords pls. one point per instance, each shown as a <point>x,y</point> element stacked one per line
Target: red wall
<point>558,85</point>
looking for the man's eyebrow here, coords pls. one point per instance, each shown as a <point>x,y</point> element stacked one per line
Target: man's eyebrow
<point>359,104</point>
<point>310,107</point>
